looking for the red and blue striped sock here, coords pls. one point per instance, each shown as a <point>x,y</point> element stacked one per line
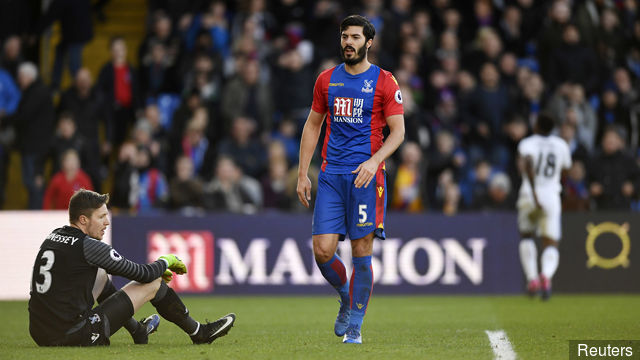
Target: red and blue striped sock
<point>336,274</point>
<point>361,286</point>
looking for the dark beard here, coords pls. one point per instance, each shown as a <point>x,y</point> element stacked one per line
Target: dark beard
<point>361,53</point>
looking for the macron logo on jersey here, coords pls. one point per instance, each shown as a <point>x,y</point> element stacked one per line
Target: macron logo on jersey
<point>348,110</point>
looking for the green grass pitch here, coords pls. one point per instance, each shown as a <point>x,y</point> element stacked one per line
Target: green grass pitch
<point>396,327</point>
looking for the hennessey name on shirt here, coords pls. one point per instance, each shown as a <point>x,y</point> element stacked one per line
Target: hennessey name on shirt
<point>62,239</point>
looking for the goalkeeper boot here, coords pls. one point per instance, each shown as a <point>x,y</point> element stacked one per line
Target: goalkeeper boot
<point>352,336</point>
<point>147,327</point>
<point>342,321</point>
<point>545,285</point>
<point>211,331</point>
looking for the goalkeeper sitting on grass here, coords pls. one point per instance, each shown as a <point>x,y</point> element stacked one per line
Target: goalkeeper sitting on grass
<point>70,274</point>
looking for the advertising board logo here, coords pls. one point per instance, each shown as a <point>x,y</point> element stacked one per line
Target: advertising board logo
<point>195,248</point>
<point>448,262</point>
<point>621,232</point>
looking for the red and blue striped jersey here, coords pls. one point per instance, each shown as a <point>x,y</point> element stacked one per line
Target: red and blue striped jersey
<point>357,107</point>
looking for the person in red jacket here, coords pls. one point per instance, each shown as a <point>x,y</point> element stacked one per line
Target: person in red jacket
<point>66,182</point>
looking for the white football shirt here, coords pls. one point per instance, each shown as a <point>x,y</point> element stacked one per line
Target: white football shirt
<point>550,155</point>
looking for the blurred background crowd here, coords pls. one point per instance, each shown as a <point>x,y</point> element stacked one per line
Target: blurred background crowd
<point>206,113</point>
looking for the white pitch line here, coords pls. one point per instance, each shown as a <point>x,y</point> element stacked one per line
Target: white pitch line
<point>500,344</point>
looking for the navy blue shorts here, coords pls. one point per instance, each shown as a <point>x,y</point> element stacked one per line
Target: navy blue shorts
<point>342,209</point>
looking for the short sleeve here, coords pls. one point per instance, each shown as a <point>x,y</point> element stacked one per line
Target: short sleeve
<point>320,101</point>
<point>523,149</point>
<point>392,96</point>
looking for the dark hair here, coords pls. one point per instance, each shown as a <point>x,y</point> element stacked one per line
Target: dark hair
<point>66,115</point>
<point>85,202</point>
<point>618,130</point>
<point>114,39</point>
<point>356,20</point>
<point>545,124</point>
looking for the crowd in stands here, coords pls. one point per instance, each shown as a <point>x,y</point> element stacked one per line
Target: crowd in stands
<point>209,115</point>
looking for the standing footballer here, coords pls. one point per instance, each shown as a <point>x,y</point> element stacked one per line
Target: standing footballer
<point>70,273</point>
<point>359,99</point>
<point>541,158</point>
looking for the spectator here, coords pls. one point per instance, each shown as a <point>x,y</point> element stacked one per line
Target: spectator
<point>576,193</point>
<point>450,194</point>
<point>204,78</point>
<point>154,136</point>
<point>245,151</point>
<point>478,180</point>
<point>186,189</point>
<point>231,191</point>
<point>568,104</point>
<point>121,193</point>
<point>510,29</point>
<point>629,95</point>
<point>77,30</point>
<point>215,23</point>
<point>550,37</point>
<point>407,190</point>
<point>150,190</point>
<point>578,151</point>
<point>486,113</point>
<point>12,55</point>
<point>161,34</point>
<point>613,175</point>
<point>500,196</point>
<point>611,41</point>
<point>611,112</point>
<point>118,85</point>
<point>287,134</point>
<point>9,100</point>
<point>86,107</point>
<point>67,138</point>
<point>197,146</point>
<point>488,51</point>
<point>246,95</point>
<point>530,101</point>
<point>573,62</point>
<point>66,182</point>
<point>274,185</point>
<point>33,122</point>
<point>157,75</point>
<point>292,69</point>
<point>444,157</point>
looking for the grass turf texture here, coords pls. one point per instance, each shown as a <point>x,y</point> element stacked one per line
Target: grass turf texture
<point>402,327</point>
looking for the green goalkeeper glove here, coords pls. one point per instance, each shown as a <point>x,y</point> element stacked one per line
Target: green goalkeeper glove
<point>174,264</point>
<point>167,276</point>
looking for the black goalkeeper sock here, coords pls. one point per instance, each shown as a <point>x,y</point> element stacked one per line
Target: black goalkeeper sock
<point>109,289</point>
<point>170,307</point>
<point>132,325</point>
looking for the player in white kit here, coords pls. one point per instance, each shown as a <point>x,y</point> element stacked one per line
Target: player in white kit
<point>541,158</point>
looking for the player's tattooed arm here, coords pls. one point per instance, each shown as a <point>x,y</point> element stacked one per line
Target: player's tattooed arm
<point>104,256</point>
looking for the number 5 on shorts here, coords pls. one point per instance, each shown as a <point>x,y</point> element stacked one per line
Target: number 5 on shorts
<point>362,213</point>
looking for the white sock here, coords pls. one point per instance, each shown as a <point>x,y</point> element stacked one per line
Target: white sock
<point>529,258</point>
<point>549,261</point>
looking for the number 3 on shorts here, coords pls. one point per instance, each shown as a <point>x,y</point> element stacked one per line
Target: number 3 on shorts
<point>362,213</point>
